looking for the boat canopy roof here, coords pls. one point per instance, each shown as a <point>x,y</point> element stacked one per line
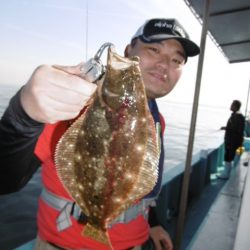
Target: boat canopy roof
<point>228,26</point>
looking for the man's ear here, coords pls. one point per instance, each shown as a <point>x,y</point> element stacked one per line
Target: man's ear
<point>127,50</point>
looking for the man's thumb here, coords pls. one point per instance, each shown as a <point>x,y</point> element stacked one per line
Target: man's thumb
<point>74,70</point>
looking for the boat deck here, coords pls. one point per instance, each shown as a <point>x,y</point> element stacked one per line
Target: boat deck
<point>220,226</point>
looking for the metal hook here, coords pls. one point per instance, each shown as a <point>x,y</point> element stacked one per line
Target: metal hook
<point>102,48</point>
<point>93,69</point>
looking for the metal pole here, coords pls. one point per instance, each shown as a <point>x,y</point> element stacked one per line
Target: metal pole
<point>186,177</point>
<point>247,99</point>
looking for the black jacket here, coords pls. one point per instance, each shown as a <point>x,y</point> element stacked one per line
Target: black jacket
<point>18,137</point>
<point>234,134</point>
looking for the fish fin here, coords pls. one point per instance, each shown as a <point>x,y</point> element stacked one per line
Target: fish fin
<point>97,234</point>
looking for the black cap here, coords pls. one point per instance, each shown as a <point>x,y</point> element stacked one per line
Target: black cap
<point>159,29</point>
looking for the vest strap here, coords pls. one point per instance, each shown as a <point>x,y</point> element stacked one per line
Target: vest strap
<point>68,209</point>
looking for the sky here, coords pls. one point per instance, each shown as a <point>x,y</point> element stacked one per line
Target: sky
<point>35,32</point>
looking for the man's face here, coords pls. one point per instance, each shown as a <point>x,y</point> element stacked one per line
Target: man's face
<point>160,63</point>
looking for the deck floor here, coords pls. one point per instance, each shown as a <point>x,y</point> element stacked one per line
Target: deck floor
<point>218,229</point>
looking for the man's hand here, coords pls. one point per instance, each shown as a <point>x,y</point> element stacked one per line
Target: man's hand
<point>161,238</point>
<point>55,93</point>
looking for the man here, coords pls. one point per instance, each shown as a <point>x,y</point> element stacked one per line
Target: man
<point>57,94</point>
<point>234,137</point>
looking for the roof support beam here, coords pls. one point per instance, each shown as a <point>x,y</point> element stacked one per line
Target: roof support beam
<point>188,165</point>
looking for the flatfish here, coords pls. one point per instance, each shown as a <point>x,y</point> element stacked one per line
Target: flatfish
<point>108,158</point>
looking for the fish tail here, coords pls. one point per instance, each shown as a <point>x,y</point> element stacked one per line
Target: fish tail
<point>97,234</point>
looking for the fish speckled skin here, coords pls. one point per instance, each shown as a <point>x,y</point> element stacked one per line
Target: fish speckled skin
<point>108,158</point>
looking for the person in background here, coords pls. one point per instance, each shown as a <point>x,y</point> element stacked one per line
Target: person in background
<point>234,137</point>
<point>42,110</point>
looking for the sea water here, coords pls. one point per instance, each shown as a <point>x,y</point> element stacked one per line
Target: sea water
<point>176,136</point>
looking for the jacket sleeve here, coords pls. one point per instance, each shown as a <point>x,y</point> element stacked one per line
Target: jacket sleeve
<point>18,137</point>
<point>152,217</point>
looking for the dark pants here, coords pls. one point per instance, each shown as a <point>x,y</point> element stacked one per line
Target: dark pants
<point>230,151</point>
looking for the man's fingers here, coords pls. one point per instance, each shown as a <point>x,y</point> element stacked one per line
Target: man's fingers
<point>70,96</point>
<point>69,77</point>
<point>166,245</point>
<point>55,93</point>
<point>75,70</point>
<point>157,245</point>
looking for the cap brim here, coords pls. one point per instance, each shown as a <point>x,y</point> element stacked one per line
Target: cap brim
<point>191,49</point>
